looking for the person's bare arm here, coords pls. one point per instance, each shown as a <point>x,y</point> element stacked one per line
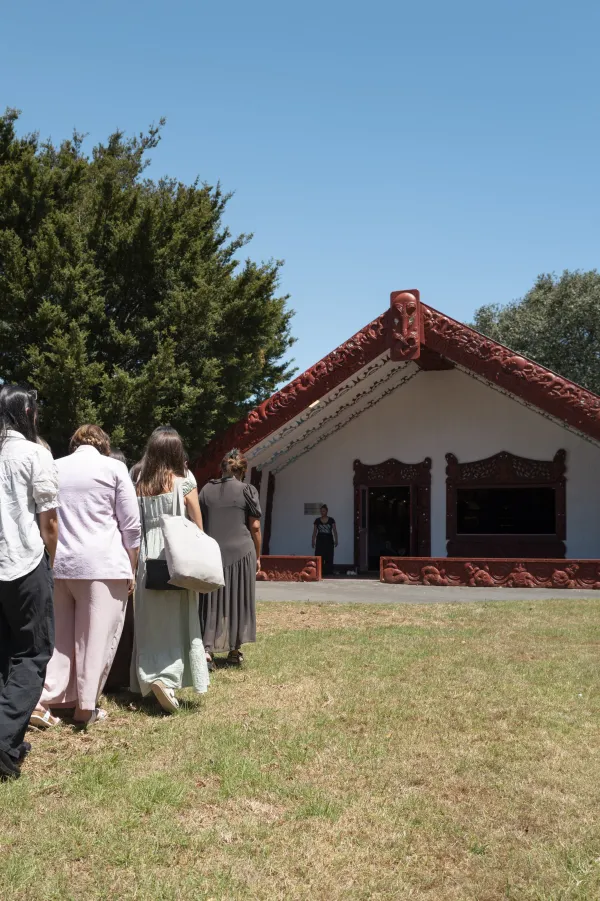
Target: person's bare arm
<point>127,511</point>
<point>133,553</point>
<point>192,505</point>
<point>335,535</point>
<point>254,526</point>
<point>49,532</point>
<point>314,538</point>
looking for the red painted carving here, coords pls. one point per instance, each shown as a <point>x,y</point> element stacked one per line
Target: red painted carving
<point>520,577</point>
<point>443,336</point>
<point>404,330</point>
<point>491,572</point>
<point>565,578</point>
<point>317,381</point>
<point>518,375</point>
<point>434,575</point>
<point>289,569</point>
<point>478,576</point>
<point>394,473</point>
<point>507,470</point>
<point>268,514</point>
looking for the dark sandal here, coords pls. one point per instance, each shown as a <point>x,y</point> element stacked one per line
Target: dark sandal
<point>235,658</point>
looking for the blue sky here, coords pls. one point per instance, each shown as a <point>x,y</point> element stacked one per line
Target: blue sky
<point>450,147</point>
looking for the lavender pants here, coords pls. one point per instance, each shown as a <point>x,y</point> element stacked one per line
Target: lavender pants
<point>89,618</point>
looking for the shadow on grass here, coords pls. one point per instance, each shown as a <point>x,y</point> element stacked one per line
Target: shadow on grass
<point>129,702</point>
<point>224,663</point>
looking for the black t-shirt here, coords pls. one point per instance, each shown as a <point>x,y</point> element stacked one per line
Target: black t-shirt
<point>325,529</point>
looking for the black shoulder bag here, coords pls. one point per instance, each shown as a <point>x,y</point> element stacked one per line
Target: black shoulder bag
<point>157,570</point>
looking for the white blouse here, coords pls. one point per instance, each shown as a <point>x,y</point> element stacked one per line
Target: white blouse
<point>28,486</point>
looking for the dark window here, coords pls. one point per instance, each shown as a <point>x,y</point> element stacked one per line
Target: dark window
<point>506,511</point>
<point>389,523</point>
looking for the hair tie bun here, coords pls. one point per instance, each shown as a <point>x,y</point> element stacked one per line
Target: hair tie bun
<point>234,462</point>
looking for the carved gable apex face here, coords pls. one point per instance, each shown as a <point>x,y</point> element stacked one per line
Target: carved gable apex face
<point>404,325</point>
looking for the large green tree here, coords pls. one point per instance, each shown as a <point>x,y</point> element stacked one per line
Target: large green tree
<point>123,300</point>
<point>557,323</point>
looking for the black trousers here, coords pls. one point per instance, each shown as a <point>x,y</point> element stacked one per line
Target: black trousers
<point>26,646</point>
<point>324,548</point>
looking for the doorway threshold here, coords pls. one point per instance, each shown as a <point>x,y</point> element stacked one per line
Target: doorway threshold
<point>354,577</point>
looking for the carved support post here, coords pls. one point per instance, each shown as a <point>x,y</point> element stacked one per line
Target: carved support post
<point>268,514</point>
<point>256,478</point>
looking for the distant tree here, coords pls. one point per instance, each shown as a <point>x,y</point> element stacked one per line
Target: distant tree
<point>122,299</point>
<point>557,323</point>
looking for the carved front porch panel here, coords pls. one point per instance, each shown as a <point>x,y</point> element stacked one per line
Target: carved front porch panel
<point>491,572</point>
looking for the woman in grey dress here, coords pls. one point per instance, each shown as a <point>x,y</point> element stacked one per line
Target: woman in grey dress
<point>231,515</point>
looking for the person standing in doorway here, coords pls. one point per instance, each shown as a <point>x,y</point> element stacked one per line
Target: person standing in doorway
<point>325,540</point>
<point>28,537</point>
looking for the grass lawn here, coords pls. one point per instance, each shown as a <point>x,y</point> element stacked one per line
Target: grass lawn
<point>443,752</point>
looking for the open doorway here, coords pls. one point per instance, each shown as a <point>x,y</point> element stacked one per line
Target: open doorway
<point>388,524</point>
<point>392,511</point>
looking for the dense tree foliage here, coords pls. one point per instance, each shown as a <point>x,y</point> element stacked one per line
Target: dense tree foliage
<point>557,324</point>
<point>122,300</point>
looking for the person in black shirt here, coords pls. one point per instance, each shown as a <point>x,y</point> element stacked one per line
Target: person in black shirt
<point>325,539</point>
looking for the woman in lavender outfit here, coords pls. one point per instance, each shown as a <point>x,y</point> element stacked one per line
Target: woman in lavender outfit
<point>98,547</point>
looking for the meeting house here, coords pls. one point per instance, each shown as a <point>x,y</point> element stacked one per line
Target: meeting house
<point>444,457</point>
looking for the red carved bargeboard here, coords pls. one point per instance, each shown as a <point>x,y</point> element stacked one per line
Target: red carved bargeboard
<point>490,573</point>
<point>509,370</point>
<point>289,569</point>
<point>277,410</point>
<point>450,342</point>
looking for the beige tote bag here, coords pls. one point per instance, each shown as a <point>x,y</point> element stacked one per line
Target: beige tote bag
<point>193,558</point>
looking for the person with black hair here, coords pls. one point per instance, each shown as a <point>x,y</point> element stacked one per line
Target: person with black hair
<point>325,539</point>
<point>28,538</point>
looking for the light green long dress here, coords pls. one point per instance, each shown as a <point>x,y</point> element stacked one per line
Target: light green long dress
<point>167,641</point>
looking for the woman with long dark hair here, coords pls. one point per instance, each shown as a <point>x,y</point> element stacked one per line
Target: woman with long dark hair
<point>28,536</point>
<point>168,653</point>
<point>231,513</point>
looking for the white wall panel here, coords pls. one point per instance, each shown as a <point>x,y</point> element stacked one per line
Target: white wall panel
<point>436,413</point>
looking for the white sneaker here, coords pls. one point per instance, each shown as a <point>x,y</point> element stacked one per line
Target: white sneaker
<point>165,697</point>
